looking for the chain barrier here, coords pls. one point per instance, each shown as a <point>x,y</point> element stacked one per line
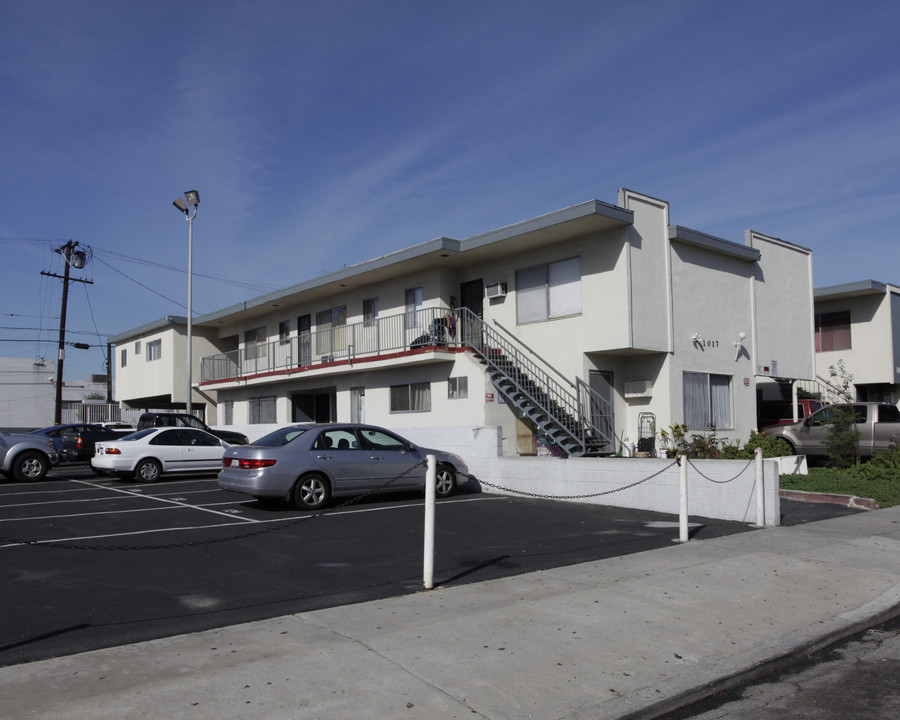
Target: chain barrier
<point>212,541</point>
<point>545,496</point>
<point>720,482</point>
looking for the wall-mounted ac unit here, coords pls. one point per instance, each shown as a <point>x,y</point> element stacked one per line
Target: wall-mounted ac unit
<point>495,290</point>
<point>638,388</point>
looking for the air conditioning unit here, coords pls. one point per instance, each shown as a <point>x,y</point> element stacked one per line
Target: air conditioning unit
<point>638,388</point>
<point>495,290</point>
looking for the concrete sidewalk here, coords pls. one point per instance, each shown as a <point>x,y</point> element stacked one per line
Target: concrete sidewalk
<point>628,637</point>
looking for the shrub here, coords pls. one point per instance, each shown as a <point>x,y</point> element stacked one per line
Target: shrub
<point>843,440</point>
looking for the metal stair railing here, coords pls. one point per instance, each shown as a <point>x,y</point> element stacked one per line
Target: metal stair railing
<point>575,408</point>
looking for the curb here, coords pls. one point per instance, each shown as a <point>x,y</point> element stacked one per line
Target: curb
<point>847,500</point>
<point>677,705</point>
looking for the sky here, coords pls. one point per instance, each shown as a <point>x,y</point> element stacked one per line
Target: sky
<point>322,134</point>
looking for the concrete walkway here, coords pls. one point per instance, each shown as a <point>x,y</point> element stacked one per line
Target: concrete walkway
<point>627,637</point>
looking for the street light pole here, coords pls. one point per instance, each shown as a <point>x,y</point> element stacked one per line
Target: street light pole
<point>193,198</point>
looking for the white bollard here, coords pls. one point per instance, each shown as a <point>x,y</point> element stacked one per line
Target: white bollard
<point>430,483</point>
<point>760,495</point>
<point>683,492</point>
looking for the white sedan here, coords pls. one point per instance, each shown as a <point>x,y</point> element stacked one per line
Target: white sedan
<point>147,454</point>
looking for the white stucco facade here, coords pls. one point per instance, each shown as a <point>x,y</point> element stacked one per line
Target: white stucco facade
<point>859,323</point>
<point>645,311</point>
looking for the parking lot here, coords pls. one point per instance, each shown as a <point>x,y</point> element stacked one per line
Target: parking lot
<point>89,561</point>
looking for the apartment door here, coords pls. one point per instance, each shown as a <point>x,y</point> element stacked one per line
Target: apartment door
<point>304,325</point>
<point>601,382</point>
<point>317,406</point>
<point>471,297</point>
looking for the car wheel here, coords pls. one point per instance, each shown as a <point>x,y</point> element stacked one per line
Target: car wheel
<point>147,471</point>
<point>30,466</point>
<point>311,492</point>
<point>446,481</point>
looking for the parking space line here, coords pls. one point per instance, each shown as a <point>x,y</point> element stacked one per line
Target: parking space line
<point>160,499</point>
<point>297,518</point>
<point>89,514</point>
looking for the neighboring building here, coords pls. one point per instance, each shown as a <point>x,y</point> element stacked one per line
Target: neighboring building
<point>590,325</point>
<point>28,394</point>
<point>859,323</point>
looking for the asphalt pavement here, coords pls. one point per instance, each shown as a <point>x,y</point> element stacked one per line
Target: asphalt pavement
<point>623,637</point>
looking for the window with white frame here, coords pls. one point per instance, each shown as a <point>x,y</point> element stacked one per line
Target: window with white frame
<point>414,397</point>
<point>329,335</point>
<point>284,331</point>
<point>137,348</point>
<point>154,350</point>
<point>832,331</point>
<point>228,412</point>
<point>255,343</point>
<point>262,410</point>
<point>707,401</point>
<point>370,311</point>
<point>458,388</point>
<point>413,305</point>
<point>123,359</point>
<point>548,291</point>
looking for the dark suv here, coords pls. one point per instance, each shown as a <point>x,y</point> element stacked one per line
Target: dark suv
<point>158,419</point>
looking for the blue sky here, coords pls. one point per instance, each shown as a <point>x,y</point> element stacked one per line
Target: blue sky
<point>323,134</point>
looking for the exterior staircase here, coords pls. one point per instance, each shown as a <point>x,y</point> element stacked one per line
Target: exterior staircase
<point>571,414</point>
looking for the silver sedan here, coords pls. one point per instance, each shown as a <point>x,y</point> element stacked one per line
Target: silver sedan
<point>309,464</point>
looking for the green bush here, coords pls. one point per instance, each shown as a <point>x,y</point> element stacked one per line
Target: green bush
<point>842,441</point>
<point>707,446</point>
<point>879,479</point>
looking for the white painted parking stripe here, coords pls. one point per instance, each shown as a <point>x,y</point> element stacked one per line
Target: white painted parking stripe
<point>159,499</point>
<point>297,521</point>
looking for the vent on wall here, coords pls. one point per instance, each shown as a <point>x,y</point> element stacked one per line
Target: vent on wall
<point>638,388</point>
<point>495,290</point>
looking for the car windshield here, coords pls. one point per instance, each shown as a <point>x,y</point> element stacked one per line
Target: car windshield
<point>281,437</point>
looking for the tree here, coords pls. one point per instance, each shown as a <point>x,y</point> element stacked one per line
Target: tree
<point>843,434</point>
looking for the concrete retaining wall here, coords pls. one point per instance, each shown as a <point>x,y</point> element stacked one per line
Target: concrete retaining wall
<point>720,489</point>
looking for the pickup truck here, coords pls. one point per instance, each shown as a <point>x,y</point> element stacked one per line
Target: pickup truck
<point>26,457</point>
<point>878,425</point>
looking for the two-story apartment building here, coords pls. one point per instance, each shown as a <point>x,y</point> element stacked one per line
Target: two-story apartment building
<point>589,325</point>
<point>859,323</point>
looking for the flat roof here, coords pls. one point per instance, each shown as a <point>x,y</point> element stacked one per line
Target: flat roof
<point>711,242</point>
<point>853,289</point>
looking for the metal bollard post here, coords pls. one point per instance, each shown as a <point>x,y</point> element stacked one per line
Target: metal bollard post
<point>430,483</point>
<point>683,492</point>
<point>760,495</point>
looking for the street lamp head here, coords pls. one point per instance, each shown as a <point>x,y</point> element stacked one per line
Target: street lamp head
<point>193,197</point>
<point>181,205</point>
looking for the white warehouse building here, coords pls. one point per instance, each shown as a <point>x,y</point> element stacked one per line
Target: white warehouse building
<point>588,326</point>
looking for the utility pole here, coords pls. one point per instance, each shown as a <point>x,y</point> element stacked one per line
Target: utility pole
<point>73,259</point>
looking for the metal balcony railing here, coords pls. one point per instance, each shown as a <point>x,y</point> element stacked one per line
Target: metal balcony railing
<point>419,328</point>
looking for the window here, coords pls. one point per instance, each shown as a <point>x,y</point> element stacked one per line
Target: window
<point>154,350</point>
<point>262,410</point>
<point>833,331</point>
<point>284,331</point>
<point>123,358</point>
<point>707,401</point>
<point>137,348</point>
<point>357,404</point>
<point>328,336</point>
<point>255,343</point>
<point>370,311</point>
<point>458,388</point>
<point>228,412</point>
<point>415,397</point>
<point>548,291</point>
<point>413,305</point>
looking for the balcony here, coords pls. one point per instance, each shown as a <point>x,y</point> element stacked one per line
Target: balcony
<point>426,327</point>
